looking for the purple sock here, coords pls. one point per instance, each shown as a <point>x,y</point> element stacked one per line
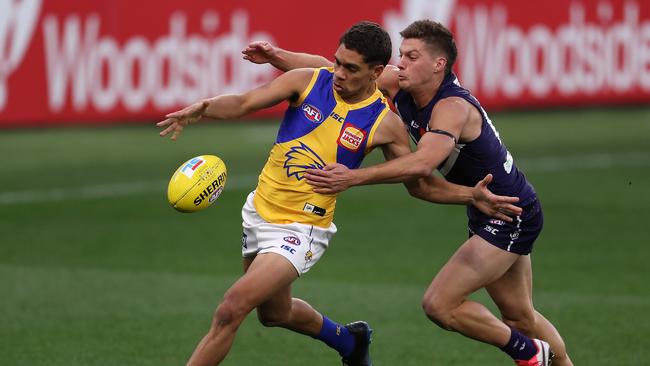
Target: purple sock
<point>337,337</point>
<point>519,346</point>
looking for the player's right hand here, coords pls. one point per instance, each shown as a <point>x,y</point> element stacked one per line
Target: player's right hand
<point>499,207</point>
<point>176,121</point>
<point>260,52</point>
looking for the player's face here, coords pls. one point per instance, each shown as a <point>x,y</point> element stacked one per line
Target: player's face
<point>417,65</point>
<point>353,78</point>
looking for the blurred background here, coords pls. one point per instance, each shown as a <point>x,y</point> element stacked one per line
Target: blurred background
<point>97,269</point>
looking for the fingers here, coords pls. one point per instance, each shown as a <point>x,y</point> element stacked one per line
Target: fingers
<point>191,111</point>
<point>166,122</point>
<point>329,167</point>
<point>312,173</point>
<point>324,190</point>
<point>257,44</point>
<point>175,128</point>
<point>502,216</point>
<point>257,52</point>
<point>507,199</point>
<point>177,115</point>
<point>510,209</point>
<point>316,180</point>
<point>485,181</point>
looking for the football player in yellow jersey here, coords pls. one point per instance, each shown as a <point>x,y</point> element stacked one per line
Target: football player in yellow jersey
<point>335,115</point>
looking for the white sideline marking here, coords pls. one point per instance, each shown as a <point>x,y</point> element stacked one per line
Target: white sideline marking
<point>107,191</point>
<point>544,164</point>
<point>592,161</point>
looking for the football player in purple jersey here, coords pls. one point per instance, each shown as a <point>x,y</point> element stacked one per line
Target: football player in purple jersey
<point>455,136</point>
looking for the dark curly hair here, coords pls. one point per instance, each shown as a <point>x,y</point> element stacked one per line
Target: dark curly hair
<point>436,36</point>
<point>370,40</point>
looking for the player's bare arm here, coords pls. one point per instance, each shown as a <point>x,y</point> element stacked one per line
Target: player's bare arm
<point>285,87</point>
<point>390,136</point>
<point>438,190</point>
<point>449,116</point>
<point>393,139</point>
<point>388,82</point>
<point>261,52</point>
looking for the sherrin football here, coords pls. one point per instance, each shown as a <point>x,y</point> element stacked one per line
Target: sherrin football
<point>197,183</point>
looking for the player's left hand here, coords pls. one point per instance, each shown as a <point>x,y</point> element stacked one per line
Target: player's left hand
<point>499,207</point>
<point>333,178</point>
<point>175,122</point>
<point>259,52</point>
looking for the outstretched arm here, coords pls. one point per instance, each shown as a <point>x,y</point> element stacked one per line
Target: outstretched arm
<point>266,53</point>
<point>432,150</point>
<point>393,139</point>
<point>438,190</point>
<point>262,52</point>
<point>286,86</point>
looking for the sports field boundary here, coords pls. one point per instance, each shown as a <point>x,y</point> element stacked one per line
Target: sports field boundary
<point>123,189</point>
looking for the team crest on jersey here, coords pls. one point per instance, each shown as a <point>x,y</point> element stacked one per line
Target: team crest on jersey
<point>300,158</point>
<point>351,137</point>
<point>312,113</point>
<point>191,166</point>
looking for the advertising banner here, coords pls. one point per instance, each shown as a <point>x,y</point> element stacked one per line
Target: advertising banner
<point>94,62</point>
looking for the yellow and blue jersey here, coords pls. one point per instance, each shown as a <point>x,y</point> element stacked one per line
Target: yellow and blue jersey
<point>319,128</point>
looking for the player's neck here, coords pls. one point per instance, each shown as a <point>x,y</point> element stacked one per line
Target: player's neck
<point>423,94</point>
<point>365,94</point>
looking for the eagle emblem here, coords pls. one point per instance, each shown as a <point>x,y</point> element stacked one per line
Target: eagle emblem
<point>300,158</point>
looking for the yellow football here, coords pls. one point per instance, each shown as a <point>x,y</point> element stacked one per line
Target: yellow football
<point>197,183</point>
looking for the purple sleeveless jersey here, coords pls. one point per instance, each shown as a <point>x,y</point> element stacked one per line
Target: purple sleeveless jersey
<point>470,162</point>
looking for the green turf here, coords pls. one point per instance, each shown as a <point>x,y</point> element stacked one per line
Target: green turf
<point>96,270</point>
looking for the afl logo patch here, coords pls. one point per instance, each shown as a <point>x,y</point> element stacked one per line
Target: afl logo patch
<point>312,113</point>
<point>351,137</point>
<point>292,240</point>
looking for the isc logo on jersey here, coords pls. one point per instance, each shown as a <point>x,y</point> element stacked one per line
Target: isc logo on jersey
<point>312,113</point>
<point>351,137</point>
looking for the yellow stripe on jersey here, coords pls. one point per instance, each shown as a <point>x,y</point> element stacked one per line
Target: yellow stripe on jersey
<point>317,130</point>
<point>371,136</point>
<point>307,90</point>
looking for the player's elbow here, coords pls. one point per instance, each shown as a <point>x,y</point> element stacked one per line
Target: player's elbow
<point>420,169</point>
<point>421,165</point>
<point>418,188</point>
<point>415,191</point>
<point>242,106</point>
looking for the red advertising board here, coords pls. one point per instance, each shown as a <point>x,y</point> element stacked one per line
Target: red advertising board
<point>80,61</point>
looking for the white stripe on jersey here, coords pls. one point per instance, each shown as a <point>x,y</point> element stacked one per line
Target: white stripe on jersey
<point>451,160</point>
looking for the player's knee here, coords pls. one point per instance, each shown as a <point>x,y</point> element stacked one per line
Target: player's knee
<point>272,319</point>
<point>229,313</point>
<point>437,312</point>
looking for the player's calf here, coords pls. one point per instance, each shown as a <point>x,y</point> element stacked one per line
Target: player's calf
<point>272,319</point>
<point>525,323</point>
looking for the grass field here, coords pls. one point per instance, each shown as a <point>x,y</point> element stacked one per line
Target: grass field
<point>96,268</point>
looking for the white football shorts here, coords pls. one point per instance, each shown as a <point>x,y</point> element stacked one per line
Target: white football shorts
<point>302,245</point>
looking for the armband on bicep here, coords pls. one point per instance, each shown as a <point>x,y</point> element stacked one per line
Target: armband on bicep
<point>446,133</point>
